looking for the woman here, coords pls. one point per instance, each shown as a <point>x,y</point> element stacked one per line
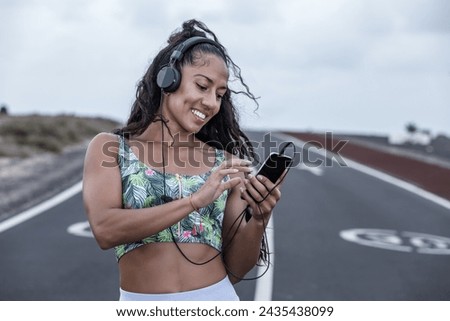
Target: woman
<point>176,180</point>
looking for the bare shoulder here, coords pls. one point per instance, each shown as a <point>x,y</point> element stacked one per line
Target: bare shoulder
<point>103,146</point>
<point>103,138</point>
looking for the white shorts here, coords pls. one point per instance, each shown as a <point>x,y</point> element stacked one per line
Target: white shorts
<point>220,291</point>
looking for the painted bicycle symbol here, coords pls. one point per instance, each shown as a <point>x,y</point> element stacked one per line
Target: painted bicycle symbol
<point>399,241</point>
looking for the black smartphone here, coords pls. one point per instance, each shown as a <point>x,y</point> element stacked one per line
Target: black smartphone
<point>274,166</point>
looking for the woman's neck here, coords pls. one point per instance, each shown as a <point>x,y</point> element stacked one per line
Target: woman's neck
<point>161,131</point>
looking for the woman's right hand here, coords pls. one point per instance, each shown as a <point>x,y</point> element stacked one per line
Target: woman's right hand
<point>215,185</point>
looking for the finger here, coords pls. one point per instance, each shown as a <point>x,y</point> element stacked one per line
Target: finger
<point>253,194</point>
<point>241,164</point>
<point>262,197</point>
<point>256,188</point>
<point>227,171</point>
<point>257,209</point>
<point>249,199</point>
<point>232,183</point>
<point>272,188</point>
<point>231,169</point>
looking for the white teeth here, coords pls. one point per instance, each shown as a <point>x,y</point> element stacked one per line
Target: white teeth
<point>198,114</point>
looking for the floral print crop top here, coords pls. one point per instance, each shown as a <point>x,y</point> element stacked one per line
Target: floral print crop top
<point>143,187</point>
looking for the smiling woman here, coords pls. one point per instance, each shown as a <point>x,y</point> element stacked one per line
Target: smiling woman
<point>177,179</point>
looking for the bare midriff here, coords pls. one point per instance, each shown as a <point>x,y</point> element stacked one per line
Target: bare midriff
<point>160,268</point>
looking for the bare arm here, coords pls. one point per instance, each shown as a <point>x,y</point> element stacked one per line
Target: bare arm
<point>102,194</point>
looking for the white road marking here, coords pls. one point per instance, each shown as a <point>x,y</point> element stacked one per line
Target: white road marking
<point>384,239</point>
<point>378,174</point>
<point>264,285</point>
<point>44,206</point>
<point>400,183</point>
<point>399,241</point>
<point>316,170</point>
<point>82,229</point>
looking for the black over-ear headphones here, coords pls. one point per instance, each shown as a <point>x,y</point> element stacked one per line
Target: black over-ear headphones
<point>169,78</point>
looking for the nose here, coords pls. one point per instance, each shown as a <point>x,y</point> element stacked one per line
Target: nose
<point>210,101</point>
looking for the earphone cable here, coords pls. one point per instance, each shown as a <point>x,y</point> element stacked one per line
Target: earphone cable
<point>266,245</point>
<point>239,218</point>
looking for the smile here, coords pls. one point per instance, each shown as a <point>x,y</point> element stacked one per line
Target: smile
<point>199,114</point>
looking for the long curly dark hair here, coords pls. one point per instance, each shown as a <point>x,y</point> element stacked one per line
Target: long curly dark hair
<point>223,130</point>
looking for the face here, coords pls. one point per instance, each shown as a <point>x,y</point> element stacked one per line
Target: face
<point>199,96</point>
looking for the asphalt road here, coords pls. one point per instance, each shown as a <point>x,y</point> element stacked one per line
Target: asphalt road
<point>339,234</point>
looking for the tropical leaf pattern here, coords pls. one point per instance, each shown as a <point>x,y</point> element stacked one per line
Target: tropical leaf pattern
<point>143,187</point>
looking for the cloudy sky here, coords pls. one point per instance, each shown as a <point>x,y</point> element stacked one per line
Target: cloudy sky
<point>363,66</point>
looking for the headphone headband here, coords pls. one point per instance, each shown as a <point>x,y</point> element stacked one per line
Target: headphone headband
<point>188,43</point>
<point>169,78</point>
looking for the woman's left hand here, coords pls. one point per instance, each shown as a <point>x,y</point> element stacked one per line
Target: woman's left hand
<point>262,196</point>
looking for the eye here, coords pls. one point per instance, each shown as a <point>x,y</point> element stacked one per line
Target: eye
<point>221,93</point>
<point>201,87</point>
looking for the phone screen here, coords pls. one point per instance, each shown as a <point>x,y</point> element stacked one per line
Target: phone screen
<point>274,166</point>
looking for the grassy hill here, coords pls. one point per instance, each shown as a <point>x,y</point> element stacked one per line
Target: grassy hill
<point>23,136</point>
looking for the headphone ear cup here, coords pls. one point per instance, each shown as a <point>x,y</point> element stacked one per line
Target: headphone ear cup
<point>168,79</point>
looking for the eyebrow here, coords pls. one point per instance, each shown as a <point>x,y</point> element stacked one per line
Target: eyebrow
<point>211,81</point>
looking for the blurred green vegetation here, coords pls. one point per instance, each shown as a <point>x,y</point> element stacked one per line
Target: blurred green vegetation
<point>23,136</point>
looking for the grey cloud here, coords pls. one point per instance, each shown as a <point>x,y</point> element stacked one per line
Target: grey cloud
<point>427,16</point>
